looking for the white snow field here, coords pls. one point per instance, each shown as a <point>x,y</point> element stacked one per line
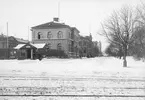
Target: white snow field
<point>84,66</point>
<point>100,78</point>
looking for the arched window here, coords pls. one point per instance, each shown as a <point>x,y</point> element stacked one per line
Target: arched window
<point>59,34</point>
<point>49,35</point>
<point>59,46</point>
<point>39,35</point>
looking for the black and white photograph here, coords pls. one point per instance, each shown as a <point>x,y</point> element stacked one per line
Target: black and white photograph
<point>72,50</point>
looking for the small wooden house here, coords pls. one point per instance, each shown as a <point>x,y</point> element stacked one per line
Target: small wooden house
<point>25,51</point>
<point>28,51</point>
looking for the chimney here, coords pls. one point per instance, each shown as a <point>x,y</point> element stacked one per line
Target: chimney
<point>56,19</point>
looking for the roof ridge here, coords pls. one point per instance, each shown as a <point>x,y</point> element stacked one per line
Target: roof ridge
<point>51,25</point>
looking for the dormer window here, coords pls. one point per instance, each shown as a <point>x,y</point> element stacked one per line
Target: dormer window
<point>60,34</point>
<point>49,35</point>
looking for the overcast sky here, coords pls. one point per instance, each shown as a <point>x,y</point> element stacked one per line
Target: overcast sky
<point>86,15</point>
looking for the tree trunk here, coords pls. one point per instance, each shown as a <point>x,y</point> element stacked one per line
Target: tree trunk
<point>124,58</point>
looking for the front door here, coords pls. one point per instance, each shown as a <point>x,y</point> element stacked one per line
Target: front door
<point>28,53</point>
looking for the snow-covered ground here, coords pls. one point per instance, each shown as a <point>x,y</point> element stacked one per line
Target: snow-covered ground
<point>99,65</point>
<point>103,76</point>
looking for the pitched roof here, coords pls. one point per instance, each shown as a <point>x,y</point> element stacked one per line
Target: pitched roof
<point>39,45</point>
<point>51,25</point>
<point>21,40</point>
<point>19,46</point>
<point>13,38</point>
<point>2,35</point>
<point>23,46</point>
<point>74,28</point>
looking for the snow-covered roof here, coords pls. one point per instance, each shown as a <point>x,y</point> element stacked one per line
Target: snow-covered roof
<point>19,46</point>
<point>39,45</point>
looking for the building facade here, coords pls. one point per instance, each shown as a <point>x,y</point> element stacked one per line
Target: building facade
<point>97,45</point>
<point>11,41</point>
<point>7,45</point>
<point>57,36</point>
<point>88,47</point>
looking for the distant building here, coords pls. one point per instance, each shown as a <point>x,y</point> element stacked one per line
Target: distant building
<point>12,41</point>
<point>98,46</point>
<point>57,36</point>
<point>95,43</point>
<point>89,48</point>
<point>8,51</point>
<point>86,45</point>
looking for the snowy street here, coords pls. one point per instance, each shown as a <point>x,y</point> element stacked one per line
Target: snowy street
<point>101,78</point>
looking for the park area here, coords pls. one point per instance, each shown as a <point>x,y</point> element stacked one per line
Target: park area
<point>100,78</point>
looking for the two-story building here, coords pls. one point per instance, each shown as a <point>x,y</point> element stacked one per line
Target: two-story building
<point>58,36</point>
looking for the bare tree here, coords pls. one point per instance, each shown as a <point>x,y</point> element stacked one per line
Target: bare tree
<point>138,47</point>
<point>118,29</point>
<point>139,33</point>
<point>140,10</point>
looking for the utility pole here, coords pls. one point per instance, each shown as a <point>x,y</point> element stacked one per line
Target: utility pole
<point>7,41</point>
<point>59,10</point>
<point>28,33</point>
<point>7,37</point>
